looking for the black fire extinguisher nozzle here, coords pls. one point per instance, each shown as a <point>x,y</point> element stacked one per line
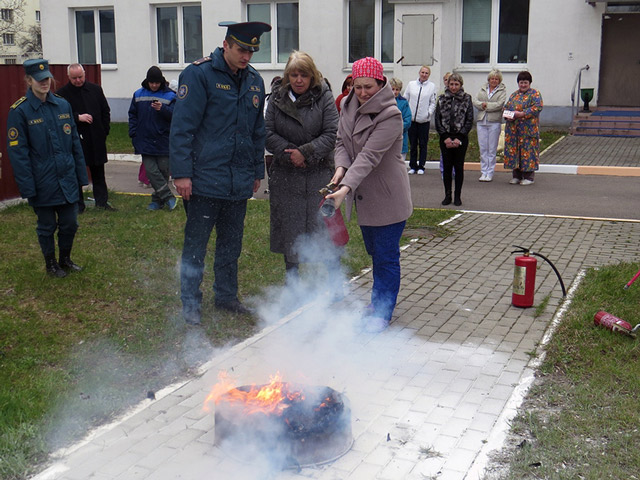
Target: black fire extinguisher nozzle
<point>564,291</point>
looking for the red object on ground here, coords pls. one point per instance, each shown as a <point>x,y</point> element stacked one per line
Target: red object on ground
<point>613,323</point>
<point>524,281</point>
<point>635,277</point>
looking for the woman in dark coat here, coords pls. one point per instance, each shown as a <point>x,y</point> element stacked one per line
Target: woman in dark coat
<point>454,120</point>
<point>301,123</point>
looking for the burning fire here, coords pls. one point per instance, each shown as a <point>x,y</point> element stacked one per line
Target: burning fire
<point>272,398</point>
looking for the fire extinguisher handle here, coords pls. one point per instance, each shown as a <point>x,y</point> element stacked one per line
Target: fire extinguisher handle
<point>521,249</point>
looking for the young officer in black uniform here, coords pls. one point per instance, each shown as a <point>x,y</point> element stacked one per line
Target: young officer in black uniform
<point>48,164</point>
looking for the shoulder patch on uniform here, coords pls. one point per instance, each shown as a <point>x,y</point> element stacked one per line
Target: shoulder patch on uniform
<point>183,90</point>
<point>18,102</point>
<point>202,60</point>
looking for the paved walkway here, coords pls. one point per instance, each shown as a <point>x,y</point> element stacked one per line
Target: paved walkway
<point>426,394</point>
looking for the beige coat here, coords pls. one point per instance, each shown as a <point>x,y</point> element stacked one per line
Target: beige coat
<point>369,145</point>
<point>495,105</point>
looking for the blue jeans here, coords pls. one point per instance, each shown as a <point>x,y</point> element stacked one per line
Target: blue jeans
<point>383,244</point>
<point>227,216</point>
<point>63,218</point>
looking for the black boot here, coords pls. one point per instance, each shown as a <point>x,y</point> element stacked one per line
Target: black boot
<point>67,263</point>
<point>447,198</point>
<point>53,268</point>
<point>457,201</point>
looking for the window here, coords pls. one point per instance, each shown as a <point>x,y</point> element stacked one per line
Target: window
<point>505,43</point>
<point>38,16</point>
<point>179,34</point>
<point>96,45</point>
<point>10,61</point>
<point>8,39</point>
<point>276,45</point>
<point>371,24</point>
<point>7,14</point>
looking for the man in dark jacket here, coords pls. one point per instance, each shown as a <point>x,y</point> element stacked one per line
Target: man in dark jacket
<point>217,147</point>
<point>149,123</point>
<point>92,115</point>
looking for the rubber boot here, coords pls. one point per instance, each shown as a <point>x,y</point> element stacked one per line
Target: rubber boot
<point>67,263</point>
<point>53,268</point>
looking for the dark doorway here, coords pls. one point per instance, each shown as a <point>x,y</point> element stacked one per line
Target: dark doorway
<point>620,61</point>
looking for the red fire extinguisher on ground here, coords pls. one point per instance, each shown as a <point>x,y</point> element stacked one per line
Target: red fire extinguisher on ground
<point>615,324</point>
<point>524,277</point>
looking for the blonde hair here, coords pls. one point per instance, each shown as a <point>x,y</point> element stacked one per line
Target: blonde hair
<point>396,83</point>
<point>495,73</point>
<point>302,62</point>
<point>427,67</point>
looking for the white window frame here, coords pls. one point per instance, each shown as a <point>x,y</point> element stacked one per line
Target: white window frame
<point>98,39</point>
<point>273,16</point>
<point>377,35</point>
<point>38,16</point>
<point>180,20</point>
<point>8,39</point>
<point>7,15</point>
<point>493,46</point>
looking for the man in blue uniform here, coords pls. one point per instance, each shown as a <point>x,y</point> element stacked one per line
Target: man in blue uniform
<point>48,164</point>
<point>216,148</point>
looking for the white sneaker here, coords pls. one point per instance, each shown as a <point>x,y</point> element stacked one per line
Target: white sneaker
<point>412,171</point>
<point>483,178</point>
<point>526,182</point>
<point>487,178</point>
<point>514,181</point>
<point>420,171</point>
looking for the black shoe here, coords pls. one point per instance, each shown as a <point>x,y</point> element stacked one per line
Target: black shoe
<point>457,202</point>
<point>54,269</point>
<point>447,200</point>
<point>191,315</point>
<point>234,306</point>
<point>107,207</point>
<point>67,264</point>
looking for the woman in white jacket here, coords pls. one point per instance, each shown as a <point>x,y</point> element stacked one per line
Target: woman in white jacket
<point>421,95</point>
<point>490,103</point>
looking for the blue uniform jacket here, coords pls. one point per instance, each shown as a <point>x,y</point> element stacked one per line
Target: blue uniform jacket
<point>404,107</point>
<point>45,150</point>
<point>217,131</point>
<point>148,128</point>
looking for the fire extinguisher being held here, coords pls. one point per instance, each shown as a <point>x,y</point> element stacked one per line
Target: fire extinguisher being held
<point>524,277</point>
<point>332,218</point>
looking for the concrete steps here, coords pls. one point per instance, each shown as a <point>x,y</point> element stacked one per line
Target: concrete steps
<point>608,122</point>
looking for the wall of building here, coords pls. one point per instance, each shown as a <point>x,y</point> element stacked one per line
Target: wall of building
<point>563,36</point>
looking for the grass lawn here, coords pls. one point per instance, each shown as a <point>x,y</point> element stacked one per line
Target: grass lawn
<point>77,351</point>
<point>581,419</point>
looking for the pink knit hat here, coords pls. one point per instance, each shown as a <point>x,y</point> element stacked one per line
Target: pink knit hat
<point>367,67</point>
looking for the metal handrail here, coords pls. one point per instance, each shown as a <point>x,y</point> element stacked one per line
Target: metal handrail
<point>573,91</point>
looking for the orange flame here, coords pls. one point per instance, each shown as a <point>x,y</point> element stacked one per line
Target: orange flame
<point>267,399</point>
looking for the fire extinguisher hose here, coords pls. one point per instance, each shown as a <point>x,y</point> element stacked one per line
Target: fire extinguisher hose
<point>527,252</point>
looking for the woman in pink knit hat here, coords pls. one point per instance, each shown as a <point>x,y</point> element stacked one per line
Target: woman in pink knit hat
<point>371,174</point>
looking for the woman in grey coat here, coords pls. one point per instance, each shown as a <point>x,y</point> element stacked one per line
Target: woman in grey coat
<point>301,123</point>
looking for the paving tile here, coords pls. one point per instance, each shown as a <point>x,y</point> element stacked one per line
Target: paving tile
<point>436,380</point>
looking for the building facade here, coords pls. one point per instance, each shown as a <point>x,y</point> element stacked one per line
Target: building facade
<point>553,39</point>
<point>19,31</point>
